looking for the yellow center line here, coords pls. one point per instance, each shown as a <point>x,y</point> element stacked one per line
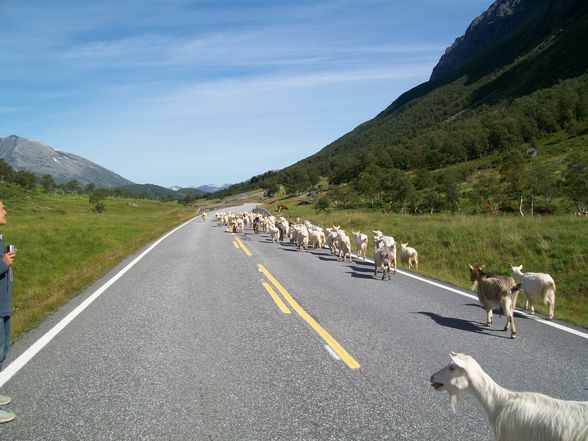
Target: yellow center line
<point>334,344</point>
<point>236,244</point>
<point>276,298</point>
<point>243,247</point>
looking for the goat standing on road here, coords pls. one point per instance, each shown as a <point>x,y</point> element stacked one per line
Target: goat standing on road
<point>514,416</point>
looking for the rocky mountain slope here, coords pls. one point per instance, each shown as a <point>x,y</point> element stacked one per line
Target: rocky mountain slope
<point>40,159</point>
<point>502,20</point>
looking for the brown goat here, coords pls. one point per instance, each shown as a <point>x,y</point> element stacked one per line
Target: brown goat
<point>494,291</point>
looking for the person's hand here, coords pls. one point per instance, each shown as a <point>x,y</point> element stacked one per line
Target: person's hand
<point>8,258</point>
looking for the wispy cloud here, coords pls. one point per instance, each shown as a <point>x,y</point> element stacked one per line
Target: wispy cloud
<point>116,80</point>
<point>247,49</point>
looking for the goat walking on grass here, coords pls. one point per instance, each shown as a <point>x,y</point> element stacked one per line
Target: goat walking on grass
<point>514,416</point>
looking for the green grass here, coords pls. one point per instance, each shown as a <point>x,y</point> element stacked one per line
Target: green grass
<point>446,243</point>
<point>63,245</point>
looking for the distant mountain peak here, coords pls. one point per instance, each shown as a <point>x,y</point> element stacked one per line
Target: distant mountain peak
<point>40,159</point>
<point>208,188</point>
<point>501,20</point>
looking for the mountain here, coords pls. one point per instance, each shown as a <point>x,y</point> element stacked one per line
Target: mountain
<point>151,191</point>
<point>517,77</point>
<point>515,50</point>
<point>40,159</point>
<point>211,188</point>
<point>501,21</point>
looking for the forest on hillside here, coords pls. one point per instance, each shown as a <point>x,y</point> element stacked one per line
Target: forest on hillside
<point>431,156</point>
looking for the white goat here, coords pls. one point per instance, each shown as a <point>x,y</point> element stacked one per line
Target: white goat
<point>514,416</point>
<point>496,291</point>
<point>409,256</point>
<point>385,259</point>
<point>301,237</point>
<point>344,245</point>
<point>537,286</point>
<point>274,233</point>
<point>380,240</point>
<point>315,238</point>
<point>361,240</point>
<point>332,240</point>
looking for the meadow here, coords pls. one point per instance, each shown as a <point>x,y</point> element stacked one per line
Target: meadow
<point>447,243</point>
<point>63,245</point>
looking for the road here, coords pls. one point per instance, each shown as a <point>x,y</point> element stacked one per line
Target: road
<point>188,342</point>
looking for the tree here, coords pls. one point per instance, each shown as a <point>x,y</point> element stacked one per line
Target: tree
<point>48,183</point>
<point>512,171</point>
<point>271,187</point>
<point>369,183</point>
<point>345,195</point>
<point>424,179</point>
<point>296,180</point>
<point>97,197</point>
<point>433,200</point>
<point>25,179</point>
<point>413,199</point>
<point>344,170</point>
<point>322,204</point>
<point>72,186</point>
<point>487,194</point>
<point>314,175</point>
<point>576,180</point>
<point>540,181</point>
<point>397,187</point>
<point>450,187</point>
<point>89,188</point>
<point>6,171</point>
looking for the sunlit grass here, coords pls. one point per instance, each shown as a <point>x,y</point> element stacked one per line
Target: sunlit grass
<point>63,246</point>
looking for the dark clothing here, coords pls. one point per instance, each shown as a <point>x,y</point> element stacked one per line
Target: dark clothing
<point>5,286</point>
<point>4,338</point>
<point>5,305</point>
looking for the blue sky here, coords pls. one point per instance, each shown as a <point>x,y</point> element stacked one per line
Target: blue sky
<point>191,92</point>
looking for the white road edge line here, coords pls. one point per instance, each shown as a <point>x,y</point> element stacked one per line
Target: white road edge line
<point>26,356</point>
<point>332,353</point>
<point>461,293</point>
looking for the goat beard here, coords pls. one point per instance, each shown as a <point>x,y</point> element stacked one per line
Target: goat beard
<point>453,398</point>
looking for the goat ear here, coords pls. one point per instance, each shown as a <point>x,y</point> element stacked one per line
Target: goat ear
<point>471,267</point>
<point>458,359</point>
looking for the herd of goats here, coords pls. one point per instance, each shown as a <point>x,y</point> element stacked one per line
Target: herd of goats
<point>493,290</point>
<point>514,416</point>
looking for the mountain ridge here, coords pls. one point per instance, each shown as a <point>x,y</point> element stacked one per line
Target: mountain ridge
<point>41,159</point>
<point>501,71</point>
<point>510,92</point>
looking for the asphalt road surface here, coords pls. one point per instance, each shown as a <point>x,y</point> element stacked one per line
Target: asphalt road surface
<point>209,335</point>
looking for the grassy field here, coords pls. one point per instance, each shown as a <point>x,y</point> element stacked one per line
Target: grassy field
<point>446,243</point>
<point>63,245</point>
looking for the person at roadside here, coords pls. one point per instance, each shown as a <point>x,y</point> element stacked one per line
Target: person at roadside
<point>6,261</point>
